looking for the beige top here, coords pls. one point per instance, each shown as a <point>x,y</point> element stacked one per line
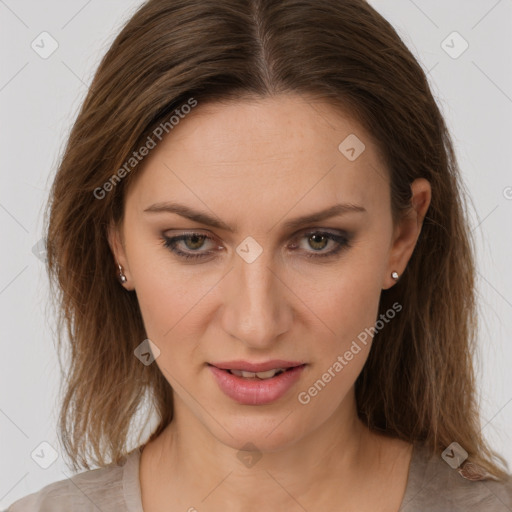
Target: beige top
<point>432,486</point>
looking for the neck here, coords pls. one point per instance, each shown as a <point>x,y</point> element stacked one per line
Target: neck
<point>194,467</point>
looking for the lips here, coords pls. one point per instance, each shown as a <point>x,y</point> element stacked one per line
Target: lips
<point>256,383</point>
<point>257,367</point>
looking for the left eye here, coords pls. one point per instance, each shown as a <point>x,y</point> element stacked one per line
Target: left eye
<point>317,240</point>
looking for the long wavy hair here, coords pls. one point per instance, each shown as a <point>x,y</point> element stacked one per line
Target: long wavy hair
<point>418,383</point>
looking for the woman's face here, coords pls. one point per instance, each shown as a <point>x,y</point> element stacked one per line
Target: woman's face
<point>252,284</point>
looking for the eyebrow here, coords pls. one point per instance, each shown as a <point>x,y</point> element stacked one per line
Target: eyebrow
<point>208,220</point>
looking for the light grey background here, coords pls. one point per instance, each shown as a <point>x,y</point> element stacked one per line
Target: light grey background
<point>39,100</point>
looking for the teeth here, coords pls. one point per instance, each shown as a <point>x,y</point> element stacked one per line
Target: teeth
<point>269,374</point>
<point>260,375</point>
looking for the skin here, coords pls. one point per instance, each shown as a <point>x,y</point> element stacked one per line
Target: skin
<point>257,163</point>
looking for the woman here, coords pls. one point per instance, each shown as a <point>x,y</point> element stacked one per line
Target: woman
<point>258,225</point>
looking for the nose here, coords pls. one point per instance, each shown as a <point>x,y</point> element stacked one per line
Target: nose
<point>256,309</point>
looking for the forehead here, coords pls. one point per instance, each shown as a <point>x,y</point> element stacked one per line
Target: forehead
<point>267,152</point>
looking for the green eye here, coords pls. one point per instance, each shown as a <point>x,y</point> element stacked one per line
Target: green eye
<point>317,240</point>
<point>197,242</point>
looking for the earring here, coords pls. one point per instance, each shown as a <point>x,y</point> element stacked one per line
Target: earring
<point>394,275</point>
<point>122,277</point>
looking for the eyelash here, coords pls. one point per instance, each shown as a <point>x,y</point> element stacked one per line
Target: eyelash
<point>170,243</point>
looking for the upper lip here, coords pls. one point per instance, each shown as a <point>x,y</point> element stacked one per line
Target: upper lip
<point>246,366</point>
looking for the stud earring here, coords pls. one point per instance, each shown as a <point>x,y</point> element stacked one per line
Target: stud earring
<point>122,277</point>
<point>394,275</point>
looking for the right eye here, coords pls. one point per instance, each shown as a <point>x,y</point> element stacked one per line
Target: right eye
<point>192,252</point>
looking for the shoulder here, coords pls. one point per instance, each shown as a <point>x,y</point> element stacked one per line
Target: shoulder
<point>433,485</point>
<point>97,489</point>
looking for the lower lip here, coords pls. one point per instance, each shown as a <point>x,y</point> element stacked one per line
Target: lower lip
<point>256,392</point>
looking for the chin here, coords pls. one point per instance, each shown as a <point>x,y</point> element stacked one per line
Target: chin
<point>268,431</point>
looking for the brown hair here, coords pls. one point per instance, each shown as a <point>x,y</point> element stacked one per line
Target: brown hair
<point>418,383</point>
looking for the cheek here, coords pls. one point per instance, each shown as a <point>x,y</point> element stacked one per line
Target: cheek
<point>350,311</point>
<point>345,307</point>
<point>342,301</point>
<point>168,309</point>
<point>169,304</point>
<point>160,295</point>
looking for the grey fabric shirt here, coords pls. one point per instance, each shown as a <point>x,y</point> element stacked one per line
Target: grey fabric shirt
<point>432,486</point>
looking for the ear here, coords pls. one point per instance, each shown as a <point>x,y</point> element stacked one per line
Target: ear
<point>408,230</point>
<point>116,243</point>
